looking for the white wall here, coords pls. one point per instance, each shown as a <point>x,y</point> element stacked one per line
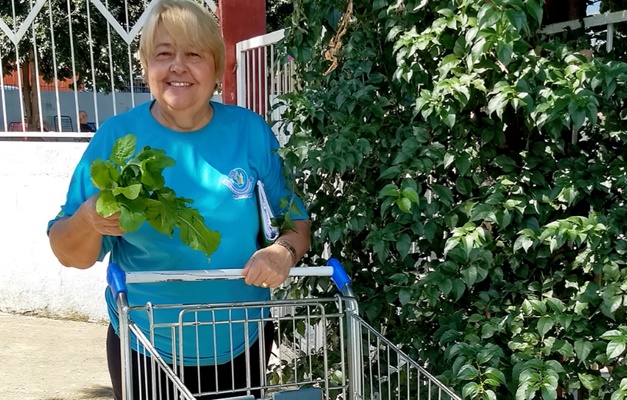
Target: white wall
<point>34,177</point>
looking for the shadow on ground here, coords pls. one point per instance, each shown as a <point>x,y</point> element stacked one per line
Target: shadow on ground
<point>96,392</point>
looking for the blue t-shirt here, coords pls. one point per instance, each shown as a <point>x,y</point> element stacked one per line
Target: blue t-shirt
<point>218,167</point>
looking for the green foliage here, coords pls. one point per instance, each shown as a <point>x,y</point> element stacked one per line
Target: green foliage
<point>56,23</point>
<point>134,187</point>
<point>471,176</point>
<point>278,14</point>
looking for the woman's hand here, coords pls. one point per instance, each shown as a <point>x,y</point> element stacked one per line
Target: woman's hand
<point>105,226</point>
<point>268,267</point>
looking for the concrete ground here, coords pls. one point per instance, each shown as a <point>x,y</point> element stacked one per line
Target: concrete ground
<point>48,359</point>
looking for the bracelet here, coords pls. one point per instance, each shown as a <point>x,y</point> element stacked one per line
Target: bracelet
<point>284,243</point>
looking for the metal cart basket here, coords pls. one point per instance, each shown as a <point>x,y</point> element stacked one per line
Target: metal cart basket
<point>322,348</point>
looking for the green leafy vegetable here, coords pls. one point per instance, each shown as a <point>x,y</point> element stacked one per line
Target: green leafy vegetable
<point>133,185</point>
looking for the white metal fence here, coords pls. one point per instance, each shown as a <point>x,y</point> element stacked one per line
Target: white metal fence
<point>58,57</point>
<point>264,72</point>
<point>609,20</point>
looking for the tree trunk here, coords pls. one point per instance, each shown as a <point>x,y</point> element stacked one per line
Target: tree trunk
<point>26,91</point>
<point>35,121</point>
<point>560,10</point>
<point>577,9</point>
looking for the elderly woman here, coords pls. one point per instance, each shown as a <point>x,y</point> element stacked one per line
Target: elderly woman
<point>221,151</point>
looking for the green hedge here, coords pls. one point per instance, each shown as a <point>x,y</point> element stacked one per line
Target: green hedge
<point>471,176</point>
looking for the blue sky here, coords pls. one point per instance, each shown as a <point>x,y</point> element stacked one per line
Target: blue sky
<point>593,9</point>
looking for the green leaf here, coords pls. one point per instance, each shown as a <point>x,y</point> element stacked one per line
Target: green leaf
<point>496,375</point>
<point>162,214</point>
<point>390,173</point>
<point>556,304</point>
<point>123,149</point>
<point>487,331</point>
<point>152,176</point>
<point>478,49</point>
<point>449,119</point>
<point>615,349</point>
<point>467,372</point>
<point>130,192</point>
<point>389,190</point>
<point>534,8</point>
<point>451,243</point>
<point>132,216</point>
<point>506,163</point>
<point>549,392</point>
<point>103,174</point>
<point>578,117</point>
<point>504,52</point>
<point>591,382</point>
<point>463,186</point>
<point>538,306</point>
<point>410,194</point>
<point>107,205</point>
<point>445,194</point>
<point>403,244</point>
<point>583,349</point>
<point>195,234</point>
<point>613,334</point>
<point>458,289</point>
<point>469,275</point>
<point>404,295</point>
<point>554,367</point>
<point>378,4</point>
<point>488,15</point>
<point>483,212</point>
<point>462,164</point>
<point>404,204</point>
<point>471,390</point>
<point>545,324</point>
<point>522,242</point>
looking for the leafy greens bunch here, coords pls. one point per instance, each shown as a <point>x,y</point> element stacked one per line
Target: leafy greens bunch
<point>134,187</point>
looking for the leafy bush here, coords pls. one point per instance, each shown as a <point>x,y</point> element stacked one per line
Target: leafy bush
<point>471,176</point>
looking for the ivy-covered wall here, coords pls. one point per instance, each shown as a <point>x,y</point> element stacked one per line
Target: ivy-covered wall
<point>471,176</point>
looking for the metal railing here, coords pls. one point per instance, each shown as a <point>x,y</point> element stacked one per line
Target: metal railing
<point>263,74</point>
<point>606,19</point>
<point>60,57</point>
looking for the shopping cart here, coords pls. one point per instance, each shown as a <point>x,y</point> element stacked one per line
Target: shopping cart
<point>322,348</point>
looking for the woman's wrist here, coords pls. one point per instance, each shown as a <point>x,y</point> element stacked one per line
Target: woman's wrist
<point>286,245</point>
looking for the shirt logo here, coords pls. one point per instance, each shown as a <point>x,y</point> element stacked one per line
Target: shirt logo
<point>239,183</point>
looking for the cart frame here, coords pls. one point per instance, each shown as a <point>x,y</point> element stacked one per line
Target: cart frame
<point>402,378</point>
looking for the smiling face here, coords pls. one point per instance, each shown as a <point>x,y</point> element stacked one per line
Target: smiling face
<point>182,55</point>
<point>182,80</point>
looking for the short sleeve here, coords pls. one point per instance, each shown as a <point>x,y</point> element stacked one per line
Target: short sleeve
<point>81,188</point>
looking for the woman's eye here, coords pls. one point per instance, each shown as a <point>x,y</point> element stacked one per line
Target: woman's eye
<point>193,55</point>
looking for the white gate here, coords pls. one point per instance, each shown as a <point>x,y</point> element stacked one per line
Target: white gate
<point>608,20</point>
<point>58,57</point>
<point>263,74</point>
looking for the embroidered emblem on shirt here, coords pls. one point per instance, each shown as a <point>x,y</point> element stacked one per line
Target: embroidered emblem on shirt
<point>239,183</point>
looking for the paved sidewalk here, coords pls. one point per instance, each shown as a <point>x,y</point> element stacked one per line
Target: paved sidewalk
<point>48,359</point>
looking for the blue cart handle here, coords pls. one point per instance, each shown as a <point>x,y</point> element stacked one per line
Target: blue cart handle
<point>339,276</point>
<point>118,279</point>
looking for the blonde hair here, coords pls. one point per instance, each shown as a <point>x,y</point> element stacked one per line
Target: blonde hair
<point>190,25</point>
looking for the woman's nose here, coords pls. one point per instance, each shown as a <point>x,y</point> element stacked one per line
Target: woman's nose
<point>178,63</point>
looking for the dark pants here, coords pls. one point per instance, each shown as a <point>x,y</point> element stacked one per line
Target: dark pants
<point>225,379</point>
